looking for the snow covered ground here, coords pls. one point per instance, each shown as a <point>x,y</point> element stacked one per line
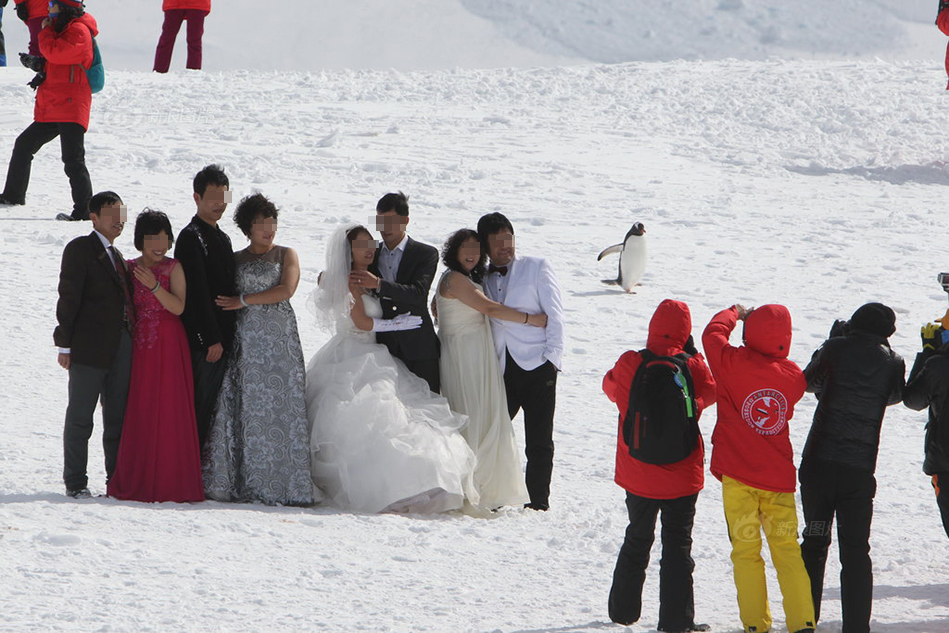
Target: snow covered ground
<point>817,184</point>
<point>441,34</point>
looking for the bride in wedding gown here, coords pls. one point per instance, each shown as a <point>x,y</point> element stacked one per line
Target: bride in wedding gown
<point>380,440</point>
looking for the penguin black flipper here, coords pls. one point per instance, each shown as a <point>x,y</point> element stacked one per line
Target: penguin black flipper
<point>616,248</point>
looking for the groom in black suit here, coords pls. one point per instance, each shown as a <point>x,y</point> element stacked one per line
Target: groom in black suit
<point>95,321</point>
<point>402,275</point>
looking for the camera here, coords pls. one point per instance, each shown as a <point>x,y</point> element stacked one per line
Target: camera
<point>36,63</point>
<point>943,279</point>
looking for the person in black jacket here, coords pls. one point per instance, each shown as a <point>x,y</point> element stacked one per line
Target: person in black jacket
<point>402,275</point>
<point>207,258</point>
<point>855,376</point>
<point>928,386</point>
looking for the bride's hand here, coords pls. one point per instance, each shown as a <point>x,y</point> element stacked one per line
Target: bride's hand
<point>355,290</point>
<point>537,320</point>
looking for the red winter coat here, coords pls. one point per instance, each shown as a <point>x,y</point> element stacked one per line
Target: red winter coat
<point>65,96</point>
<point>757,390</point>
<point>200,5</point>
<point>669,329</point>
<point>38,8</point>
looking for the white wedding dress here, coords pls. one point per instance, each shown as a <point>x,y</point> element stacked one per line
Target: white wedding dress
<point>471,380</point>
<point>380,439</point>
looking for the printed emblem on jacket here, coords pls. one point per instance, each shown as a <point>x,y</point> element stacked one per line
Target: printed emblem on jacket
<point>766,411</point>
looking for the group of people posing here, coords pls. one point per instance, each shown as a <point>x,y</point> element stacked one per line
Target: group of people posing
<point>660,392</point>
<point>198,363</point>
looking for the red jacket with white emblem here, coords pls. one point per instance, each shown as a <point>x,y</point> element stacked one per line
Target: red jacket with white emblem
<point>757,390</point>
<point>669,329</point>
<point>65,96</point>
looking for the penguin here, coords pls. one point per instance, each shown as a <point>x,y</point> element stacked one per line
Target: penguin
<point>632,258</point>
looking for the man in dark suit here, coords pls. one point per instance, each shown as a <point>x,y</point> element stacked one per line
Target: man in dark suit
<point>96,319</point>
<point>207,258</point>
<point>402,275</point>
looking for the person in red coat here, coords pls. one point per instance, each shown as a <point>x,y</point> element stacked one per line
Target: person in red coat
<point>63,103</point>
<point>33,12</point>
<point>942,21</point>
<point>670,488</point>
<point>176,12</point>
<point>758,387</point>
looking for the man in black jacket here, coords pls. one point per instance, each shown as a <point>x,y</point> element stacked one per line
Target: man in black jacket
<point>402,275</point>
<point>95,318</point>
<point>928,386</point>
<point>207,258</point>
<point>855,376</point>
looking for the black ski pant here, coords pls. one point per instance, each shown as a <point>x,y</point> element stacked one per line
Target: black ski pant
<point>831,489</point>
<point>31,140</point>
<point>534,391</point>
<point>676,600</point>
<point>941,486</point>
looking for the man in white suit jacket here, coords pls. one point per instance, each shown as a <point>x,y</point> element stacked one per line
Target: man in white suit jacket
<point>530,357</point>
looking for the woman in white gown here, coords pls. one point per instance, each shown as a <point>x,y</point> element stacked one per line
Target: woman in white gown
<point>470,371</point>
<point>380,440</point>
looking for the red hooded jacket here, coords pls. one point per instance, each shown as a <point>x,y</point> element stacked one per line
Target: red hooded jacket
<point>200,5</point>
<point>669,329</point>
<point>65,96</point>
<point>757,390</point>
<point>37,8</point>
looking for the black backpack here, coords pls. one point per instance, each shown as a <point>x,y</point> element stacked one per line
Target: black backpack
<point>661,423</point>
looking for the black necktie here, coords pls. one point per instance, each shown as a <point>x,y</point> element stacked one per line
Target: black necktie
<point>501,270</point>
<point>119,264</point>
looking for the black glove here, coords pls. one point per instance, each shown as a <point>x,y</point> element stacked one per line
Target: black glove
<point>689,347</point>
<point>35,63</point>
<point>38,79</point>
<point>23,11</point>
<point>840,327</point>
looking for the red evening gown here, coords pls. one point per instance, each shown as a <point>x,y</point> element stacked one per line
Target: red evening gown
<point>159,458</point>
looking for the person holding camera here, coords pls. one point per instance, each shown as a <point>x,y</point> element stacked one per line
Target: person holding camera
<point>855,376</point>
<point>33,13</point>
<point>63,103</point>
<point>928,386</point>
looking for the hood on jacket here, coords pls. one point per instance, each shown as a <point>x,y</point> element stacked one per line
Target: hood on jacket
<point>874,318</point>
<point>768,331</point>
<point>670,327</point>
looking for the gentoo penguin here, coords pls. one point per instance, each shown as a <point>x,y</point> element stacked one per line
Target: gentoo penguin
<point>632,258</point>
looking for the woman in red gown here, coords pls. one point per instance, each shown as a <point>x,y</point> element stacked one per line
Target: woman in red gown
<point>159,458</point>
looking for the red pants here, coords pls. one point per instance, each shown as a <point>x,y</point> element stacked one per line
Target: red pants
<point>35,25</point>
<point>169,32</point>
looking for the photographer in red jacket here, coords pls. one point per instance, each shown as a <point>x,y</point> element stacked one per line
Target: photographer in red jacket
<point>63,103</point>
<point>650,488</point>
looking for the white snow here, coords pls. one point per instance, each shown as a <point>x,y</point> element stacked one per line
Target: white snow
<point>818,184</point>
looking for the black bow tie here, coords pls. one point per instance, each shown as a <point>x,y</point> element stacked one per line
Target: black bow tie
<point>501,270</point>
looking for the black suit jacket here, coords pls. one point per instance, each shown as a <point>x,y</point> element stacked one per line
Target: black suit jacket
<point>409,294</point>
<point>91,306</point>
<point>207,259</point>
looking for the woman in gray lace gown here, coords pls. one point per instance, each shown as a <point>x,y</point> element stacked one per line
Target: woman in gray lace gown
<point>258,445</point>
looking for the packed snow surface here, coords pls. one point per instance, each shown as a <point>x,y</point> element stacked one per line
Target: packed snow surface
<point>442,34</point>
<point>816,184</point>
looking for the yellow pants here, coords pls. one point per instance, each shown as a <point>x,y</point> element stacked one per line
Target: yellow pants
<point>747,511</point>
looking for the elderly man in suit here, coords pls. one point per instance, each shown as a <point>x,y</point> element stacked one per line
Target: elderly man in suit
<point>402,275</point>
<point>95,322</point>
<point>530,357</point>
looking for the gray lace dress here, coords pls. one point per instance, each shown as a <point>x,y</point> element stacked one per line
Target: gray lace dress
<point>258,445</point>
